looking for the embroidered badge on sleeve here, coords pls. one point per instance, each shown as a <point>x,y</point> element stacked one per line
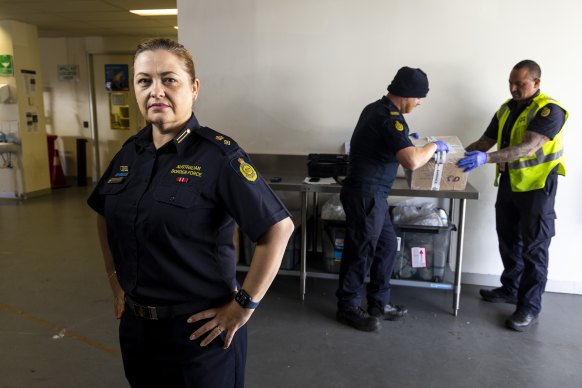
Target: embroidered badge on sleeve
<point>244,169</point>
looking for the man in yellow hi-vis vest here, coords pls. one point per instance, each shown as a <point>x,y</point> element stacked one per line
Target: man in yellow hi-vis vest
<point>528,132</point>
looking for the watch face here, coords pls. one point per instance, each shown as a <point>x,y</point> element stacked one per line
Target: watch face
<point>242,297</point>
<point>244,300</point>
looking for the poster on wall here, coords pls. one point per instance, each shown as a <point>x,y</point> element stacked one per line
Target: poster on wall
<point>119,110</point>
<point>29,77</point>
<point>6,66</point>
<point>116,78</point>
<point>68,72</point>
<point>31,121</point>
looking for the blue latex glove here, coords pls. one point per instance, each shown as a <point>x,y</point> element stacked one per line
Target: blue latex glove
<point>472,160</point>
<point>441,146</point>
<point>415,135</point>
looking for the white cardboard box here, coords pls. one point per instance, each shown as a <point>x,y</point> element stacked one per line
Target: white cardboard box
<point>443,177</point>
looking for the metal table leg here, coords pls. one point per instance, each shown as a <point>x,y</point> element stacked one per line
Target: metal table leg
<point>315,221</point>
<point>460,238</point>
<point>303,268</point>
<point>451,222</point>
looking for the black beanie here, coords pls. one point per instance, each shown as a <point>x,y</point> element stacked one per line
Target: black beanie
<point>409,82</point>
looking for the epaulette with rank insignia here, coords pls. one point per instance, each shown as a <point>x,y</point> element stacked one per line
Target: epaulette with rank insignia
<point>225,143</point>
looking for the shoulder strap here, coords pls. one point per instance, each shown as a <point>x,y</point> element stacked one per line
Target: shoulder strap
<point>226,144</point>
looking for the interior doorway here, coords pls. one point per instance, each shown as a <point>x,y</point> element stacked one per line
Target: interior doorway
<point>115,115</point>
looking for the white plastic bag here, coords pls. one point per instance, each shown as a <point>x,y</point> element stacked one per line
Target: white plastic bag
<point>333,209</point>
<point>426,214</point>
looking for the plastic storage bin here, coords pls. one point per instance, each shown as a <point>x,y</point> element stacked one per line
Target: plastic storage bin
<point>416,241</point>
<point>333,245</point>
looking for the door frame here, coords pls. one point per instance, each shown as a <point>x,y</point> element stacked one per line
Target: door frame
<point>96,173</point>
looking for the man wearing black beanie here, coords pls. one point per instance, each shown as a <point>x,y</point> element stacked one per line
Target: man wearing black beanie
<point>378,145</point>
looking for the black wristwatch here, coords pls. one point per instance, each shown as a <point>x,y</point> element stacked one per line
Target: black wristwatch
<point>244,299</point>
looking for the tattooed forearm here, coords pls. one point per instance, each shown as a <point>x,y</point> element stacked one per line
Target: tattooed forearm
<point>483,144</point>
<point>532,142</point>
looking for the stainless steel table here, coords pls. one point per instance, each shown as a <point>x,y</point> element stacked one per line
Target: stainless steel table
<point>399,189</point>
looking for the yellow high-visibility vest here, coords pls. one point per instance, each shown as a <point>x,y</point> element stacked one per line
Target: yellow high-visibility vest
<point>530,173</point>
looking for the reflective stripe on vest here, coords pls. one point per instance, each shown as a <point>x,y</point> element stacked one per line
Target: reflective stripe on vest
<point>540,158</point>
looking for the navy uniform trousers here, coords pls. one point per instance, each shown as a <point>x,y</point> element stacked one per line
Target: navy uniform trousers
<point>369,247</point>
<point>159,353</point>
<point>525,226</point>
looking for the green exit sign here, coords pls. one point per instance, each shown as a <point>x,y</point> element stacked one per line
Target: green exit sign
<point>6,68</point>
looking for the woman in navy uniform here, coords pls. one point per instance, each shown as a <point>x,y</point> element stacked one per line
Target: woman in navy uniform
<point>167,207</point>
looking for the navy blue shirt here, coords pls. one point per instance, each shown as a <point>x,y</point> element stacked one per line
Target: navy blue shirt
<point>171,214</point>
<point>548,125</point>
<point>380,133</point>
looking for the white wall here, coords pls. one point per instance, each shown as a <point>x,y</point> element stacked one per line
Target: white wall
<point>291,77</point>
<point>67,103</point>
<point>9,119</point>
<point>32,171</point>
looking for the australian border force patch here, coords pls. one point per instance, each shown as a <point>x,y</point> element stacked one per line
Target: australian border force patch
<point>244,169</point>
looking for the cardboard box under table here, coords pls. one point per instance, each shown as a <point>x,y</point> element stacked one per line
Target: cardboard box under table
<point>439,174</point>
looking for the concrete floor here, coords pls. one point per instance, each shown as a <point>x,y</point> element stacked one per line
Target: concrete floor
<point>57,328</point>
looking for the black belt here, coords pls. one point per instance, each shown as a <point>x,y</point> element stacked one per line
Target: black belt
<point>161,312</point>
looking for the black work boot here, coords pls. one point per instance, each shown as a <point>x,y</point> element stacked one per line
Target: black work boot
<point>498,295</point>
<point>521,320</point>
<point>388,312</point>
<point>357,318</point>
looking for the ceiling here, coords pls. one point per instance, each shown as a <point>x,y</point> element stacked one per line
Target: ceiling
<point>83,18</point>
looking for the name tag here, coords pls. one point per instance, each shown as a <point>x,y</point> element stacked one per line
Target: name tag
<point>116,180</point>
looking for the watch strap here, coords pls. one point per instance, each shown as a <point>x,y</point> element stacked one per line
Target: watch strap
<point>244,300</point>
